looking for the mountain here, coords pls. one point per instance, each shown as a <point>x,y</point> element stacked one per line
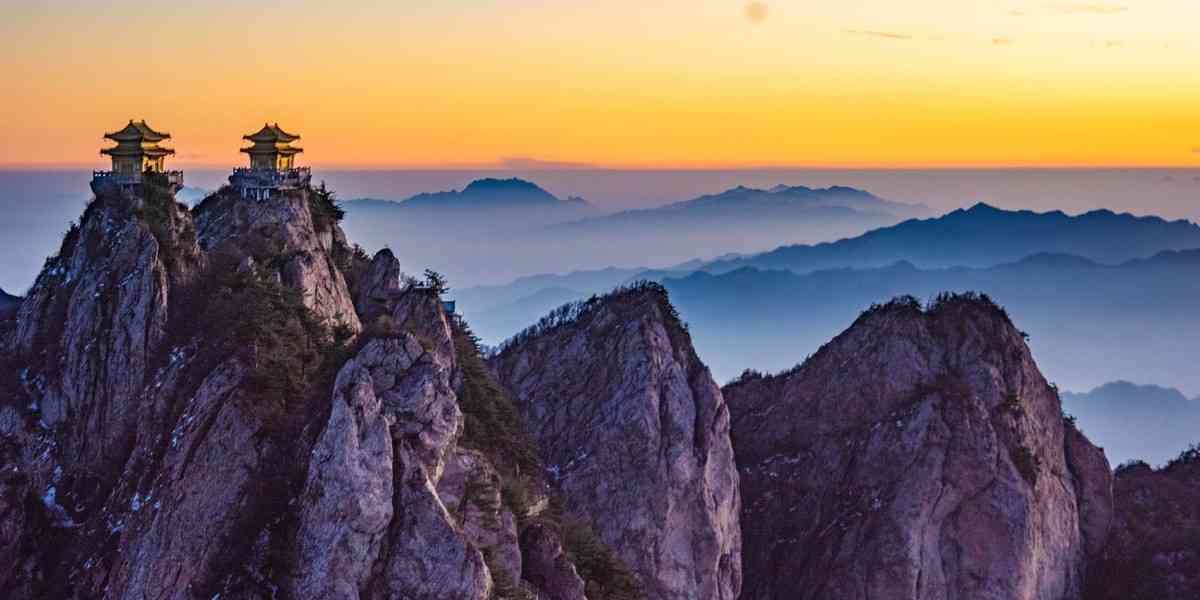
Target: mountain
<point>1090,323</point>
<point>781,205</point>
<point>983,236</point>
<point>490,194</point>
<point>1154,549</point>
<point>630,421</point>
<point>507,229</point>
<point>496,224</point>
<point>920,454</point>
<point>230,401</point>
<point>578,283</point>
<point>1136,422</point>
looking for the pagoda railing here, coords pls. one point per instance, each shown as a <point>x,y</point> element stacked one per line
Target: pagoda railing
<point>271,178</point>
<point>118,178</point>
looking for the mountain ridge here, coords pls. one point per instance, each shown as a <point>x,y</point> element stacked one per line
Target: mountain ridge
<point>984,235</point>
<point>772,309</point>
<point>1118,414</point>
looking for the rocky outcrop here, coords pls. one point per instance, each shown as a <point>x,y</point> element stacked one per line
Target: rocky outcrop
<point>372,521</point>
<point>288,234</point>
<point>920,454</point>
<point>187,412</point>
<point>379,283</point>
<point>634,435</point>
<point>1154,549</point>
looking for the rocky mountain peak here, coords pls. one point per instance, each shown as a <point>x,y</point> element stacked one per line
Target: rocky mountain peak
<point>231,401</point>
<point>634,435</point>
<point>920,454</point>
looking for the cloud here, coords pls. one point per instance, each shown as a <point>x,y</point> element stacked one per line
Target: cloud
<point>1095,8</point>
<point>534,164</point>
<point>879,34</point>
<point>1196,150</point>
<point>756,12</point>
<point>1002,41</point>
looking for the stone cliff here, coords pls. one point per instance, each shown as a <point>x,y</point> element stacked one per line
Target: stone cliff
<point>193,407</point>
<point>635,435</point>
<point>920,454</point>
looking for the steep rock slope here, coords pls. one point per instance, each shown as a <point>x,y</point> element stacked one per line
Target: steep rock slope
<point>192,408</point>
<point>920,454</point>
<point>1154,549</point>
<point>634,434</point>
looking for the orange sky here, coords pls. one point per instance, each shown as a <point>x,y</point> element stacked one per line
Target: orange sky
<point>863,83</point>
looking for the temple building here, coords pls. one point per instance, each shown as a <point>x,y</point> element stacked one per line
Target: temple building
<point>272,165</point>
<point>136,155</point>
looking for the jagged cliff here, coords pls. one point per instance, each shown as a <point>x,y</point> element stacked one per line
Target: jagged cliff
<point>635,436</point>
<point>920,454</point>
<point>233,401</point>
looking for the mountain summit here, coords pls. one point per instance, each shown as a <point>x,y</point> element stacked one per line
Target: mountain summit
<point>920,454</point>
<point>486,194</point>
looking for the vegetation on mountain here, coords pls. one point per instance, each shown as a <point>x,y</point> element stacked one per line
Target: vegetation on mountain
<point>1154,550</point>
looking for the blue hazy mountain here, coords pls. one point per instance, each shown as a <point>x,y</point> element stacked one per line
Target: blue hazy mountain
<point>1090,323</point>
<point>490,194</point>
<point>485,231</point>
<point>984,236</point>
<point>496,230</point>
<point>742,219</point>
<point>1142,422</point>
<point>796,204</point>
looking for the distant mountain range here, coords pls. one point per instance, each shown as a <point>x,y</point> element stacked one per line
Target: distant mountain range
<point>983,236</point>
<point>793,206</point>
<point>1089,322</point>
<point>1136,422</point>
<point>508,228</point>
<point>481,204</point>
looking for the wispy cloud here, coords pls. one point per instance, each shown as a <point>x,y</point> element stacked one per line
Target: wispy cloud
<point>1002,41</point>
<point>1196,150</point>
<point>1093,8</point>
<point>756,12</point>
<point>879,34</point>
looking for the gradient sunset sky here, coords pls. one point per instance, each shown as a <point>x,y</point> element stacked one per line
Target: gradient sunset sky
<point>615,83</point>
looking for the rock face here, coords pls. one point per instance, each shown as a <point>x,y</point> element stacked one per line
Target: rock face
<point>372,521</point>
<point>299,239</point>
<point>920,454</point>
<point>191,409</point>
<point>1154,549</point>
<point>546,565</point>
<point>635,435</point>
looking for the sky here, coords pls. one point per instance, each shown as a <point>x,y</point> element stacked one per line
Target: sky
<point>613,83</point>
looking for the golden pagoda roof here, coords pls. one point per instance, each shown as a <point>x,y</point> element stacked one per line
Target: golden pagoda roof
<point>271,133</point>
<point>123,150</point>
<point>283,149</point>
<point>137,131</point>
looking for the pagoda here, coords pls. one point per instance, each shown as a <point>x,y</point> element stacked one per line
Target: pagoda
<point>272,165</point>
<point>136,156</point>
